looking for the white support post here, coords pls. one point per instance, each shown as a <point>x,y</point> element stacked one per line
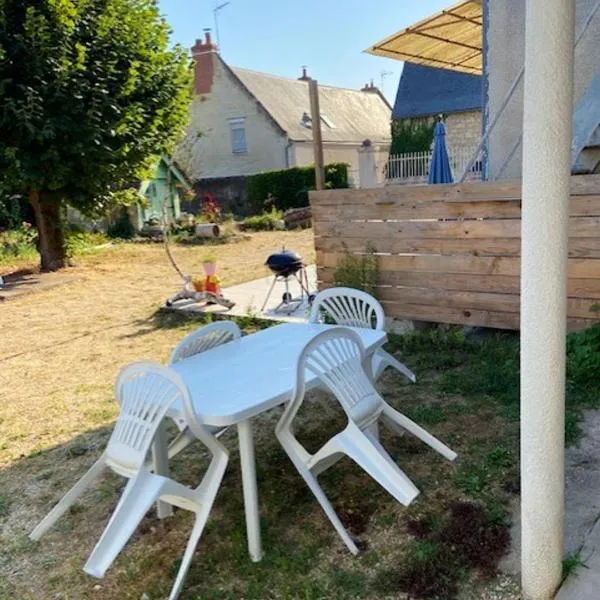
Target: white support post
<point>548,106</point>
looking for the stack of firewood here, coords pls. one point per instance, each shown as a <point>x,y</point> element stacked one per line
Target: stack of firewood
<point>298,218</point>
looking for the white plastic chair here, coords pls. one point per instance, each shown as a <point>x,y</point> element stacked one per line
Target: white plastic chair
<point>336,357</point>
<point>201,340</point>
<point>146,391</point>
<point>355,308</point>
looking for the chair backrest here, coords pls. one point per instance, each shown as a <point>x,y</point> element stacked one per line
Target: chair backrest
<point>204,339</point>
<point>336,357</point>
<point>145,392</point>
<point>347,306</point>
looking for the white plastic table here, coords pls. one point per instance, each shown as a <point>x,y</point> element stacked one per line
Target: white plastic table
<point>234,382</point>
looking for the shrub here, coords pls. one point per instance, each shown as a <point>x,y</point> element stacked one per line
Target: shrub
<point>211,211</point>
<point>358,271</point>
<point>122,227</point>
<point>265,222</point>
<point>19,242</point>
<point>13,211</point>
<point>289,188</point>
<point>83,242</point>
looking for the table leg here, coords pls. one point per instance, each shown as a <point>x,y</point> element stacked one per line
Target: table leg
<point>160,461</point>
<point>250,490</point>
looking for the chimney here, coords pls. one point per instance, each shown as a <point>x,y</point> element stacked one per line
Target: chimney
<point>204,53</point>
<point>370,87</point>
<point>304,76</point>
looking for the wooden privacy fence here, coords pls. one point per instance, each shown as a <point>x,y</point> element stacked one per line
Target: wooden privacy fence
<point>451,253</point>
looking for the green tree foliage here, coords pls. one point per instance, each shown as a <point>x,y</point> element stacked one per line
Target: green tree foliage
<point>91,92</point>
<point>412,135</point>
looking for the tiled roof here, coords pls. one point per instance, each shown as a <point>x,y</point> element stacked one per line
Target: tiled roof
<point>347,115</point>
<point>425,91</point>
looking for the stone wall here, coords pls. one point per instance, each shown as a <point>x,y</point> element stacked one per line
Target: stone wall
<point>463,131</point>
<point>206,150</point>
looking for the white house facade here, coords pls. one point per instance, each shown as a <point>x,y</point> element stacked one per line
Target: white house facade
<point>244,122</point>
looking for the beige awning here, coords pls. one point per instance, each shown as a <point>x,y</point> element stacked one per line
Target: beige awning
<point>449,39</point>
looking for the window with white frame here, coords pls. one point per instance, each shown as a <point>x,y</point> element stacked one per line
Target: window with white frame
<point>238,135</point>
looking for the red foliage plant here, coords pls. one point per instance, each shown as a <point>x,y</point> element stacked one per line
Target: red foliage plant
<point>211,211</point>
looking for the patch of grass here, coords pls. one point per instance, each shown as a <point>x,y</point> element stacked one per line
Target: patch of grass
<point>490,368</point>
<point>445,547</point>
<point>268,221</point>
<point>571,563</point>
<point>4,504</point>
<point>81,243</point>
<point>426,570</point>
<point>18,245</point>
<point>428,414</point>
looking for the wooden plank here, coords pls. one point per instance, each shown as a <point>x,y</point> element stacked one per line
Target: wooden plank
<point>469,247</point>
<point>455,192</point>
<point>414,210</point>
<point>421,229</point>
<point>585,184</point>
<point>406,210</point>
<point>578,247</point>
<point>479,265</point>
<point>501,284</point>
<point>451,298</point>
<point>416,193</point>
<point>576,307</point>
<point>480,318</point>
<point>490,228</point>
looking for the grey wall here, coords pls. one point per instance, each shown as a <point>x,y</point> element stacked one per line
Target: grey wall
<point>506,56</point>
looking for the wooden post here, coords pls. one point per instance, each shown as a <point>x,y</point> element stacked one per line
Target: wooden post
<point>315,115</point>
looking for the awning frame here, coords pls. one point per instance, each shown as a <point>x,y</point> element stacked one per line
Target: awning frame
<point>401,45</point>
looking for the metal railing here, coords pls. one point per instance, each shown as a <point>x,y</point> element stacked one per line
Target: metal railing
<point>413,167</point>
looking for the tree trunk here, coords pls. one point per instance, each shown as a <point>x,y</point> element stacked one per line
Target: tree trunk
<point>51,239</point>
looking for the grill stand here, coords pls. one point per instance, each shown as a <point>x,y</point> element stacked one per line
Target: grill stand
<point>287,300</point>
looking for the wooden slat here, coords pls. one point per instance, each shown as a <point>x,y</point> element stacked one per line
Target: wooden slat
<point>491,228</point>
<point>416,193</point>
<point>413,210</point>
<point>451,298</point>
<point>576,307</point>
<point>480,318</point>
<point>472,191</point>
<point>578,247</point>
<point>500,209</point>
<point>479,265</point>
<point>502,284</point>
<point>450,253</point>
<point>472,247</point>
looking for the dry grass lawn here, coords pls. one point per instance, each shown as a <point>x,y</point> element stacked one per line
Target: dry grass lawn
<point>61,350</point>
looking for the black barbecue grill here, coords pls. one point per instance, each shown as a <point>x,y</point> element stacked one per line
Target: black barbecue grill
<point>285,265</point>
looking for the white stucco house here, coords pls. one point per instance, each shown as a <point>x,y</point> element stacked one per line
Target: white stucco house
<point>245,122</point>
<point>486,39</point>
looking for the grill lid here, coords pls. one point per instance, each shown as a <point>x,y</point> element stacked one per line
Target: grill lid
<point>285,261</point>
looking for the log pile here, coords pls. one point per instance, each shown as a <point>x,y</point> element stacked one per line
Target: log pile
<point>298,218</point>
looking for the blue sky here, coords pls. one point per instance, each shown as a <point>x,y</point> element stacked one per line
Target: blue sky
<point>279,36</point>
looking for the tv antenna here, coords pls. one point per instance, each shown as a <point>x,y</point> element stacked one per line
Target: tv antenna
<point>384,75</point>
<point>216,10</point>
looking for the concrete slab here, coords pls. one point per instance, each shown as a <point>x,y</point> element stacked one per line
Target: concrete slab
<point>582,527</point>
<point>582,514</point>
<point>250,296</point>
